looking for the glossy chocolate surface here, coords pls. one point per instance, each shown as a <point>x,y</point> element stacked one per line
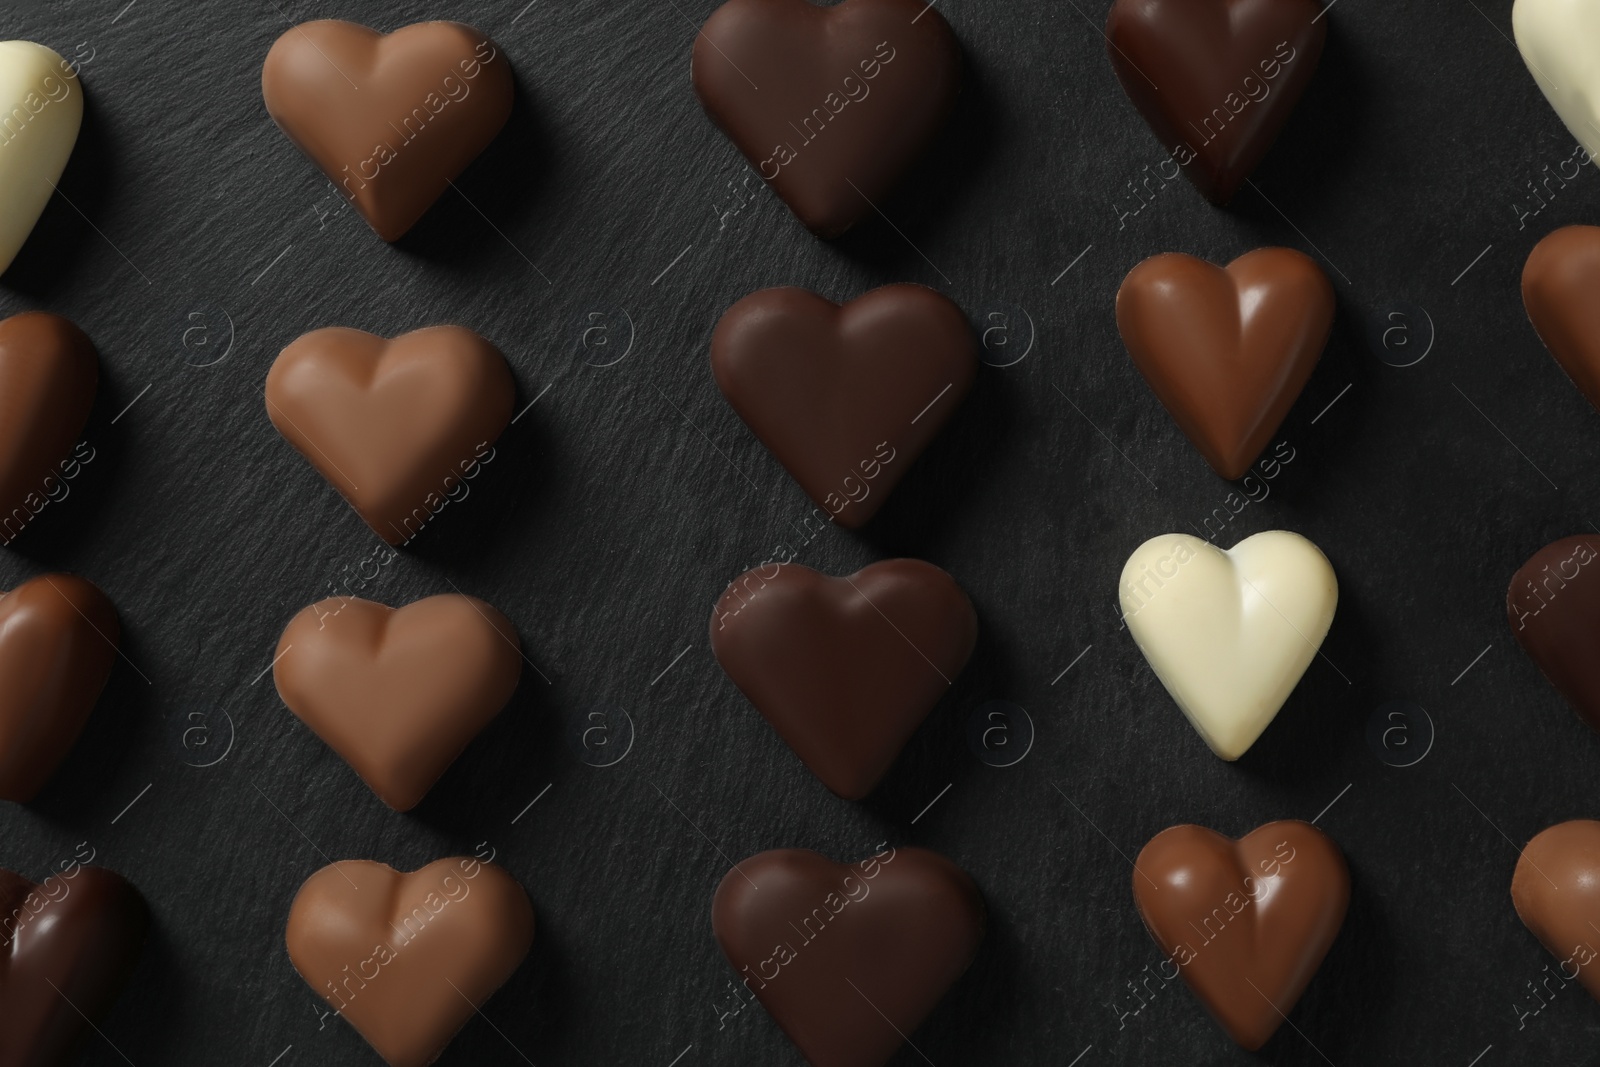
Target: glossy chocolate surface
<point>67,947</point>
<point>1246,922</point>
<point>1227,350</point>
<point>58,643</point>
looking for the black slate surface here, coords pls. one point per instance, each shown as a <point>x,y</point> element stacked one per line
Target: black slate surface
<point>622,501</point>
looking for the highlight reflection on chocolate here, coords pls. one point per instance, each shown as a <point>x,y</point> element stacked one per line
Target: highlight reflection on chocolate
<point>1556,891</point>
<point>58,642</point>
<point>80,931</point>
<point>1248,922</point>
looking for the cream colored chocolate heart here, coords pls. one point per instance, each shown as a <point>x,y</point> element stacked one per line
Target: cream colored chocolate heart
<point>1229,633</point>
<point>41,108</point>
<point>1560,42</point>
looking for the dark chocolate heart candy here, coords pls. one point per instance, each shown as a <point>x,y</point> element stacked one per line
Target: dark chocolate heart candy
<point>848,960</point>
<point>1553,604</point>
<point>58,642</point>
<point>829,104</point>
<point>391,118</point>
<point>845,396</point>
<point>1215,79</point>
<point>1561,291</point>
<point>1247,922</point>
<point>48,375</point>
<point>845,669</point>
<point>67,947</point>
<point>1227,350</point>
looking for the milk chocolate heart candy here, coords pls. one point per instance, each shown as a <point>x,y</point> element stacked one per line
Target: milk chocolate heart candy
<point>848,960</point>
<point>829,104</point>
<point>1215,79</point>
<point>1226,350</point>
<point>48,375</point>
<point>845,669</point>
<point>393,118</point>
<point>58,641</point>
<point>1553,604</point>
<point>1556,891</point>
<point>80,930</point>
<point>846,397</point>
<point>1559,286</point>
<point>398,693</point>
<point>1248,922</point>
<point>408,959</point>
<point>1557,41</point>
<point>41,109</point>
<point>397,426</point>
<point>1229,633</point>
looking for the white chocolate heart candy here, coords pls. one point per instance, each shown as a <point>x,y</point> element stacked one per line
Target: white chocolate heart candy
<point>1560,42</point>
<point>1229,633</point>
<point>41,108</point>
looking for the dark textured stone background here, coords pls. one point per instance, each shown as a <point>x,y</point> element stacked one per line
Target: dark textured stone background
<point>624,500</point>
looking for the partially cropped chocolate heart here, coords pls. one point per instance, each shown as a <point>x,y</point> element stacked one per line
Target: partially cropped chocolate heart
<point>845,396</point>
<point>408,959</point>
<point>848,960</point>
<point>1227,350</point>
<point>1556,891</point>
<point>58,642</point>
<point>397,426</point>
<point>392,119</point>
<point>1560,283</point>
<point>398,693</point>
<point>829,104</point>
<point>1553,604</point>
<point>1247,922</point>
<point>48,375</point>
<point>845,669</point>
<point>67,947</point>
<point>1215,79</point>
